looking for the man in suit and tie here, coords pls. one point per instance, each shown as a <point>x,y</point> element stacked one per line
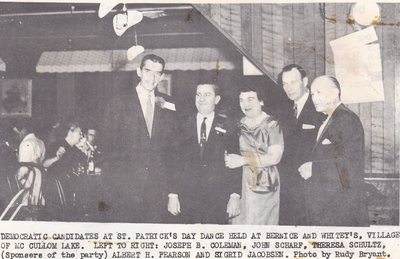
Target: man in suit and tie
<point>300,130</point>
<point>335,189</point>
<point>205,190</point>
<point>140,132</point>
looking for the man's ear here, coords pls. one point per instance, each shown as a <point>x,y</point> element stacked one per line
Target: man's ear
<point>305,81</point>
<point>217,99</point>
<point>139,72</point>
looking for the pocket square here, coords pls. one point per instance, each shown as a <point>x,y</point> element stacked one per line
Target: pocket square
<point>326,142</point>
<point>219,129</point>
<point>169,106</point>
<point>308,126</point>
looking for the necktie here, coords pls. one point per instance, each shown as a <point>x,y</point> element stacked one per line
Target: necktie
<point>149,114</point>
<point>203,137</point>
<point>295,111</point>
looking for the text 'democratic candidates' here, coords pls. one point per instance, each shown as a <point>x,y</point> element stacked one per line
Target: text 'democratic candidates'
<point>101,241</point>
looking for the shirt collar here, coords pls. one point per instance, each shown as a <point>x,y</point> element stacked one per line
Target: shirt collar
<point>142,91</point>
<point>210,116</point>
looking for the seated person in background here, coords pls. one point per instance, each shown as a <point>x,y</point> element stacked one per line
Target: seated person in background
<point>87,145</point>
<point>30,156</point>
<point>91,135</point>
<point>64,165</point>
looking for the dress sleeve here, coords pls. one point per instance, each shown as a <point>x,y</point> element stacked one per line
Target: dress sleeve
<point>275,136</point>
<point>270,147</point>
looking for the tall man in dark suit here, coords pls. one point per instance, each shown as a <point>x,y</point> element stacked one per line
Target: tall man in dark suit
<point>140,133</point>
<point>335,190</point>
<point>300,130</point>
<point>205,190</point>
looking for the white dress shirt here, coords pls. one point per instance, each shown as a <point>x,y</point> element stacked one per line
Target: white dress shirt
<point>209,121</point>
<point>300,103</point>
<point>323,125</point>
<point>143,96</point>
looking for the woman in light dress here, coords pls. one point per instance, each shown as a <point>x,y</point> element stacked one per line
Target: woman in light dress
<point>261,148</point>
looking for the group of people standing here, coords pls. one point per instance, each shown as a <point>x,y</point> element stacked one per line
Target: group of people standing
<point>305,168</point>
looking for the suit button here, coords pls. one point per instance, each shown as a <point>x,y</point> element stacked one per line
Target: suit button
<point>147,169</point>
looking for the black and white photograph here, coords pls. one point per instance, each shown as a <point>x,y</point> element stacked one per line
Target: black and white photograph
<point>279,114</point>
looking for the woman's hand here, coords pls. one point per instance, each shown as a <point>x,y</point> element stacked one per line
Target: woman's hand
<point>234,161</point>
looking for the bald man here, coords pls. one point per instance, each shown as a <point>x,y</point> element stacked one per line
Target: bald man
<point>335,188</point>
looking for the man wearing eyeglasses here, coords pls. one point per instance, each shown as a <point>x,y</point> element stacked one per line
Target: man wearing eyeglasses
<point>139,128</point>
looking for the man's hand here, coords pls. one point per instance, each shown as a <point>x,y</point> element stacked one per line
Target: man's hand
<point>174,206</point>
<point>234,161</point>
<point>233,207</point>
<point>60,152</point>
<point>306,170</point>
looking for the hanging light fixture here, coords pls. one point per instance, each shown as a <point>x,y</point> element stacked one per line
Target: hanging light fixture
<point>135,50</point>
<point>126,19</point>
<point>365,13</point>
<point>106,6</point>
<point>2,65</point>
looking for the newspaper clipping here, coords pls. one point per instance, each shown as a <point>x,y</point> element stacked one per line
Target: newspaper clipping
<point>199,130</point>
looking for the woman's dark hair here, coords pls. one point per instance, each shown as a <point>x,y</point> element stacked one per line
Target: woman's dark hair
<point>252,88</point>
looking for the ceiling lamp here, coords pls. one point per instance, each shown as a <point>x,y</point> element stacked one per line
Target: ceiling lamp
<point>366,13</point>
<point>135,50</point>
<point>106,6</point>
<point>2,65</point>
<point>126,19</point>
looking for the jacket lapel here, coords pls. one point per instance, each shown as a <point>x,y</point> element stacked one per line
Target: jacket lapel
<point>308,106</point>
<point>134,105</point>
<point>329,122</point>
<point>212,133</point>
<point>157,122</point>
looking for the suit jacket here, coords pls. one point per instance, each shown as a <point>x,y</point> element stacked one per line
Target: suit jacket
<point>139,165</point>
<point>335,193</point>
<point>299,138</point>
<point>204,186</point>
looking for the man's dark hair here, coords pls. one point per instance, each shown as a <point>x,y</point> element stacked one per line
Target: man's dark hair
<point>24,125</point>
<point>216,88</point>
<point>154,58</point>
<point>289,68</point>
<point>65,127</point>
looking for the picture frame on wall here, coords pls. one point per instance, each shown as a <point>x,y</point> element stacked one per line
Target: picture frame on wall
<point>165,85</point>
<point>15,98</point>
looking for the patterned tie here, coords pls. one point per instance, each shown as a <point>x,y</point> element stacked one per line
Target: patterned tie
<point>295,111</point>
<point>203,137</point>
<point>149,114</point>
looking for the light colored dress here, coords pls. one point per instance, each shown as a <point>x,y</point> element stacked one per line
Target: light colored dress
<point>260,184</point>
